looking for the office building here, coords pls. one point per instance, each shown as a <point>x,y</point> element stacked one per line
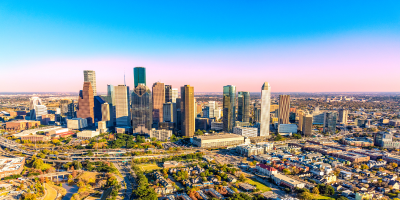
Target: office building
<point>215,141</point>
<point>86,103</point>
<point>161,135</point>
<point>168,112</point>
<point>105,113</point>
<point>229,108</point>
<point>217,126</point>
<point>77,123</point>
<point>246,131</point>
<point>139,76</point>
<point>158,94</point>
<point>110,94</point>
<point>178,114</point>
<point>203,124</point>
<point>243,106</point>
<point>168,93</point>
<point>330,122</point>
<point>90,76</point>
<point>87,134</point>
<point>318,118</point>
<point>284,109</point>
<point>343,115</point>
<point>265,109</point>
<point>307,123</point>
<point>142,116</point>
<point>257,113</point>
<point>122,103</point>
<point>34,101</point>
<point>98,102</point>
<point>71,110</point>
<point>175,94</point>
<point>187,111</point>
<point>102,126</point>
<point>64,106</point>
<point>21,125</point>
<point>38,112</point>
<point>385,140</point>
<point>287,129</point>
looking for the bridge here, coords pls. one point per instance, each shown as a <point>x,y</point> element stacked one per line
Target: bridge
<point>56,175</point>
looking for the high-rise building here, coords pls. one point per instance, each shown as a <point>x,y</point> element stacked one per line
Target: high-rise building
<point>174,94</point>
<point>105,112</point>
<point>33,101</point>
<point>158,94</point>
<point>71,110</point>
<point>330,122</point>
<point>142,116</point>
<point>306,125</point>
<point>98,101</point>
<point>243,106</point>
<point>38,112</point>
<point>229,108</point>
<point>284,109</point>
<point>86,103</point>
<point>178,114</point>
<point>343,116</point>
<point>64,106</point>
<point>139,75</point>
<point>110,94</point>
<point>168,93</point>
<point>90,76</point>
<point>265,108</point>
<point>122,99</point>
<point>168,112</point>
<point>257,113</point>
<point>187,110</point>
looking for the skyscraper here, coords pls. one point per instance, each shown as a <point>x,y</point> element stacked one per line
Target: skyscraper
<point>307,125</point>
<point>71,110</point>
<point>284,109</point>
<point>158,102</point>
<point>105,112</point>
<point>168,112</point>
<point>110,94</point>
<point>343,116</point>
<point>64,106</point>
<point>90,76</point>
<point>122,98</point>
<point>187,110</point>
<point>38,112</point>
<point>174,94</point>
<point>139,75</point>
<point>229,108</point>
<point>98,101</point>
<point>265,108</point>
<point>33,101</point>
<point>86,103</point>
<point>243,106</point>
<point>168,93</point>
<point>142,116</point>
<point>330,122</point>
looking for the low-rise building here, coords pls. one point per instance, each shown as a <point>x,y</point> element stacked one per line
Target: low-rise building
<point>217,126</point>
<point>283,180</point>
<point>215,141</point>
<point>36,138</point>
<point>77,123</point>
<point>161,135</point>
<point>21,125</point>
<point>246,131</point>
<point>87,134</point>
<point>266,170</point>
<point>11,166</point>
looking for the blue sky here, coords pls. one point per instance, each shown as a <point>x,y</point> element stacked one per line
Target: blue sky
<point>34,31</point>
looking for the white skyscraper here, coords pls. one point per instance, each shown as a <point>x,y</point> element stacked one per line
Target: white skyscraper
<point>34,101</point>
<point>174,94</point>
<point>211,108</point>
<point>39,111</point>
<point>265,108</point>
<point>122,102</point>
<point>90,76</point>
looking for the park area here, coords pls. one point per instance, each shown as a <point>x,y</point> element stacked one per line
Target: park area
<point>262,187</point>
<point>51,193</point>
<point>149,167</point>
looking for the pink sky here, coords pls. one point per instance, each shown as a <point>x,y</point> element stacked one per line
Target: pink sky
<point>337,65</point>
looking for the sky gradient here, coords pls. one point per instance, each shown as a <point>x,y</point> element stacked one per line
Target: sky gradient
<point>296,46</point>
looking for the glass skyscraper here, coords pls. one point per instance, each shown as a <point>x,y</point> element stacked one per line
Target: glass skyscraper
<point>139,75</point>
<point>330,122</point>
<point>229,108</point>
<point>243,106</point>
<point>142,117</point>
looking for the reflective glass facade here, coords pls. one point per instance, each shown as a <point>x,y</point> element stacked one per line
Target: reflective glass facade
<point>243,106</point>
<point>141,107</point>
<point>229,108</point>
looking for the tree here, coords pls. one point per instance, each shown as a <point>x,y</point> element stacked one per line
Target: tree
<point>306,196</point>
<point>286,171</point>
<point>315,190</point>
<point>242,178</point>
<point>394,165</point>
<point>342,198</point>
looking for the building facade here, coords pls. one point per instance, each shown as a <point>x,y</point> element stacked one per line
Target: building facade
<point>161,135</point>
<point>158,94</point>
<point>139,76</point>
<point>246,131</point>
<point>330,122</point>
<point>122,102</point>
<point>284,109</point>
<point>265,109</point>
<point>142,109</point>
<point>243,106</point>
<point>90,76</point>
<point>229,107</point>
<point>85,107</point>
<point>187,111</point>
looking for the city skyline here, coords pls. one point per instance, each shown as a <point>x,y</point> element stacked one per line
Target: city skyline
<point>319,47</point>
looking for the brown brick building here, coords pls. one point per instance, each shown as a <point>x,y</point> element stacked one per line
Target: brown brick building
<point>86,103</point>
<point>21,125</point>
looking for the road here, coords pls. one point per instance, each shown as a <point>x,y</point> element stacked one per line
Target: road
<point>124,169</point>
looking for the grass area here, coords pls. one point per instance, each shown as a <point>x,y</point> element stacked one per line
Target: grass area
<point>88,175</point>
<point>4,194</point>
<point>262,187</point>
<point>317,196</point>
<point>149,167</point>
<point>51,193</point>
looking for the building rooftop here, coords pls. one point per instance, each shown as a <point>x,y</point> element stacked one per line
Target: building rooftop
<point>222,136</point>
